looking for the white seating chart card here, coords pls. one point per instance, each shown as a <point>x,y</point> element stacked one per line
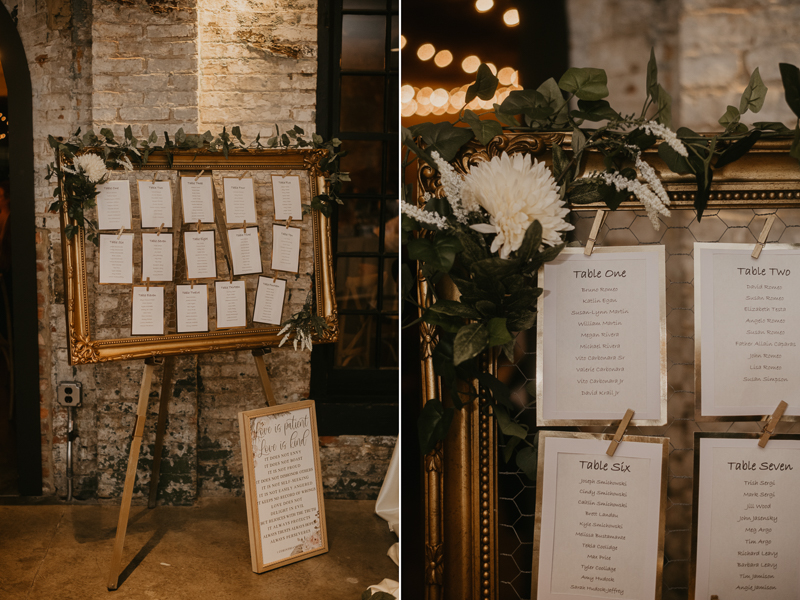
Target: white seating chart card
<point>747,324</point>
<point>197,199</point>
<point>155,203</point>
<point>157,257</point>
<point>602,337</point>
<point>231,304</point>
<point>747,534</point>
<point>192,308</point>
<point>201,255</point>
<point>245,245</point>
<point>148,310</point>
<point>286,195</point>
<point>116,258</point>
<point>269,301</point>
<point>601,531</point>
<point>283,486</point>
<point>240,200</point>
<point>114,205</point>
<point>285,248</point>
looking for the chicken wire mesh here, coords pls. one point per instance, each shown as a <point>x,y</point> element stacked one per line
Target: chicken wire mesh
<point>678,233</point>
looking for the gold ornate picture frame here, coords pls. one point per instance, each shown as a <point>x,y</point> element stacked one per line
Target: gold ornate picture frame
<point>80,293</point>
<point>463,476</point>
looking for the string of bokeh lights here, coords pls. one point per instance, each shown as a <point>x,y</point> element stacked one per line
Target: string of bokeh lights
<point>4,121</point>
<point>428,101</point>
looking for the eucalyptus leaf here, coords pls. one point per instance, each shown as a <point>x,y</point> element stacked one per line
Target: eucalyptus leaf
<point>498,332</point>
<point>484,87</point>
<point>794,151</point>
<point>595,110</point>
<point>664,115</point>
<point>449,323</point>
<point>652,76</point>
<point>578,141</point>
<point>586,83</point>
<point>738,149</point>
<point>507,425</point>
<point>530,242</point>
<point>484,130</point>
<point>439,254</point>
<point>528,102</point>
<point>470,341</point>
<point>522,320</point>
<point>434,421</point>
<point>772,126</point>
<point>445,138</point>
<point>584,191</point>
<point>704,177</point>
<point>486,308</point>
<point>454,309</point>
<point>505,118</point>
<point>508,449</point>
<point>675,162</point>
<point>555,100</point>
<point>527,461</point>
<point>499,390</point>
<point>560,162</point>
<point>753,95</point>
<point>731,116</point>
<point>790,75</point>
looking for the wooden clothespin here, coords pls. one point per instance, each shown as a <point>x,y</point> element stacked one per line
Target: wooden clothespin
<point>199,225</point>
<point>191,282</point>
<point>244,226</point>
<point>160,229</point>
<point>243,174</point>
<point>230,276</point>
<point>198,175</point>
<point>288,221</point>
<point>148,284</point>
<point>771,424</point>
<point>714,597</point>
<point>119,233</point>
<point>623,425</point>
<point>762,239</point>
<point>598,223</point>
<point>274,277</point>
<point>155,177</point>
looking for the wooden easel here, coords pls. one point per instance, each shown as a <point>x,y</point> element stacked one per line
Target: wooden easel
<point>136,444</point>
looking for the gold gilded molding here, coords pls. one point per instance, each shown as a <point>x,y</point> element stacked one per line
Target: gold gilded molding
<point>84,348</point>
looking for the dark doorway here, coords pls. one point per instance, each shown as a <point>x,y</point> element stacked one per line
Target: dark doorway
<point>20,441</point>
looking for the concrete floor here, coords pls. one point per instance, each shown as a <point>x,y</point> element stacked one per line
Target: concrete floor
<point>61,552</point>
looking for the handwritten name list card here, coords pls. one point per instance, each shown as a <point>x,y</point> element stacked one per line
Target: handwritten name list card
<point>286,195</point>
<point>240,200</point>
<point>245,251</point>
<point>116,258</point>
<point>602,331</point>
<point>192,308</point>
<point>282,481</point>
<point>155,202</point>
<point>269,301</point>
<point>157,257</point>
<point>285,248</point>
<point>747,530</point>
<point>201,256</point>
<point>147,307</point>
<point>197,199</point>
<point>231,304</point>
<point>601,533</point>
<point>114,205</point>
<point>747,315</point>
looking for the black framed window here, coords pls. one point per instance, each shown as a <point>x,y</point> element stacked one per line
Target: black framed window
<point>355,380</point>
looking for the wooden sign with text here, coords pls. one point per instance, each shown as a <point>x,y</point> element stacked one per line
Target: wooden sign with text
<point>283,485</point>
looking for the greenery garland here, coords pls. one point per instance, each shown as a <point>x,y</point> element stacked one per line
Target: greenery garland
<point>454,237</point>
<point>85,160</point>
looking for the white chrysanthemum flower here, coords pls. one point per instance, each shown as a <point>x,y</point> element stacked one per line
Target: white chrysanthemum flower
<point>90,165</point>
<point>516,192</point>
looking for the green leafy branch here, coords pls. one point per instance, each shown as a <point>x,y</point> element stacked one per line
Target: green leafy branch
<point>80,193</point>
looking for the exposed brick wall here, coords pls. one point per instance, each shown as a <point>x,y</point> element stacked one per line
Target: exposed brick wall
<point>199,65</point>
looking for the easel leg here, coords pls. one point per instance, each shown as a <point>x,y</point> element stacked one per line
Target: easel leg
<point>130,476</point>
<point>163,409</point>
<point>258,356</point>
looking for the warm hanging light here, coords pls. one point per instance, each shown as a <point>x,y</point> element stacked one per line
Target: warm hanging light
<point>402,42</point>
<point>511,17</point>
<point>443,58</point>
<point>424,96</point>
<point>426,52</point>
<point>483,5</point>
<point>504,75</point>
<point>471,64</point>
<point>492,68</point>
<point>439,98</point>
<point>409,108</point>
<point>406,93</point>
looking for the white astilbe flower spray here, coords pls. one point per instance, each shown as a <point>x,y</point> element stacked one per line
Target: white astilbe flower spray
<point>669,136</point>
<point>515,192</point>
<point>423,216</point>
<point>125,162</point>
<point>452,183</point>
<point>91,165</point>
<point>652,203</point>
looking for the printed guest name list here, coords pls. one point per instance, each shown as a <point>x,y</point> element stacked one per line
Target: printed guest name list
<point>750,322</point>
<point>601,338</point>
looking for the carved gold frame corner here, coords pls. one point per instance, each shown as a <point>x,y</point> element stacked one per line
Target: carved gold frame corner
<point>83,348</point>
